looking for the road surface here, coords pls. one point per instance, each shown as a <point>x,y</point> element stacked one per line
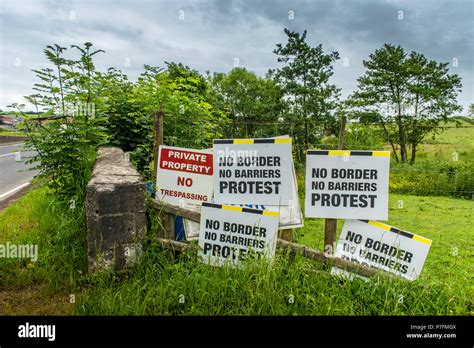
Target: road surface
<point>14,173</point>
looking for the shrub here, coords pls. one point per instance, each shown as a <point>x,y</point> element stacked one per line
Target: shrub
<point>433,178</point>
<point>65,137</point>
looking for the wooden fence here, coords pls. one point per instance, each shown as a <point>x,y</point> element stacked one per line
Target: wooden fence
<point>168,214</point>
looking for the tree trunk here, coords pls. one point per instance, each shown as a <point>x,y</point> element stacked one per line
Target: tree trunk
<point>390,141</point>
<point>306,134</point>
<point>413,153</point>
<point>342,131</point>
<point>401,136</point>
<point>301,154</point>
<point>394,151</point>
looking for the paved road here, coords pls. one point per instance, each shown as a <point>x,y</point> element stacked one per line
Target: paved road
<point>14,173</point>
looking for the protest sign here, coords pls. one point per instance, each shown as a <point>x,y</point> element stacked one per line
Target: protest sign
<point>375,244</point>
<point>253,171</point>
<point>290,215</point>
<point>347,184</point>
<point>228,234</point>
<point>184,176</point>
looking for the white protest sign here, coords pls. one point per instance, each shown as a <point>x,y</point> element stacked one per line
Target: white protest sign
<point>191,229</point>
<point>290,215</point>
<point>347,184</point>
<point>374,244</point>
<point>229,233</point>
<point>253,171</point>
<point>184,176</point>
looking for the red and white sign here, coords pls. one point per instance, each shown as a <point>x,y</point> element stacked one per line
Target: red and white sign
<point>184,176</point>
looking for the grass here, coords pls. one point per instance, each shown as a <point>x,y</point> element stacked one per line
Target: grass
<point>443,167</point>
<point>184,286</point>
<point>38,218</point>
<point>452,144</point>
<point>463,135</point>
<point>289,287</point>
<point>447,221</point>
<point>444,288</point>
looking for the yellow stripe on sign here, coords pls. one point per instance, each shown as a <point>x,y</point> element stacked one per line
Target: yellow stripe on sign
<point>339,153</point>
<point>243,141</point>
<point>282,140</point>
<point>231,207</point>
<point>379,225</point>
<point>422,239</point>
<point>271,213</point>
<point>381,153</point>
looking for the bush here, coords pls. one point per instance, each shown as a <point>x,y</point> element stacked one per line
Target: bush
<point>357,137</point>
<point>433,178</point>
<point>66,136</point>
<point>362,137</point>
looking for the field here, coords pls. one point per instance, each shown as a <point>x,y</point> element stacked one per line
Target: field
<point>11,133</point>
<point>164,285</point>
<point>453,144</point>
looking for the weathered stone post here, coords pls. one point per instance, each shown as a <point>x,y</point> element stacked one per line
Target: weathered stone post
<point>115,211</point>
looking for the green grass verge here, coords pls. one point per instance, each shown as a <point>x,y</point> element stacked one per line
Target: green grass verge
<point>291,286</point>
<point>59,232</point>
<point>288,287</point>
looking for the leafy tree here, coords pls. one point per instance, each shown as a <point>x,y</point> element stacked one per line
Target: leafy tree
<point>126,121</point>
<point>66,134</point>
<point>190,119</point>
<point>249,99</point>
<point>410,94</point>
<point>471,110</point>
<point>304,79</point>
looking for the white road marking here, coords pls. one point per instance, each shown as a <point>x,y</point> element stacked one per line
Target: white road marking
<point>1,147</point>
<point>8,154</point>
<point>14,190</point>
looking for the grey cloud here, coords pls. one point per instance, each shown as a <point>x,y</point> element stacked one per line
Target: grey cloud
<point>214,32</point>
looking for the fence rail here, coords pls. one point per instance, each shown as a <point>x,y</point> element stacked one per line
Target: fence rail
<point>169,212</point>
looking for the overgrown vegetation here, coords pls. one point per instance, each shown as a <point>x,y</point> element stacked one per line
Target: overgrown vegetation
<point>79,108</point>
<point>289,287</point>
<point>64,139</point>
<point>58,230</point>
<point>157,283</point>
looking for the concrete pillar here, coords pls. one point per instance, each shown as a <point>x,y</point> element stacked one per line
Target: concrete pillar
<point>115,211</point>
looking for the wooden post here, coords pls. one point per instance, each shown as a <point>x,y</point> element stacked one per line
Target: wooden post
<point>169,226</point>
<point>342,131</point>
<point>287,234</point>
<point>330,225</point>
<point>167,220</point>
<point>158,124</point>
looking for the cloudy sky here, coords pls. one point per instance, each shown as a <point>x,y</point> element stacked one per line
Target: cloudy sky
<point>216,35</point>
